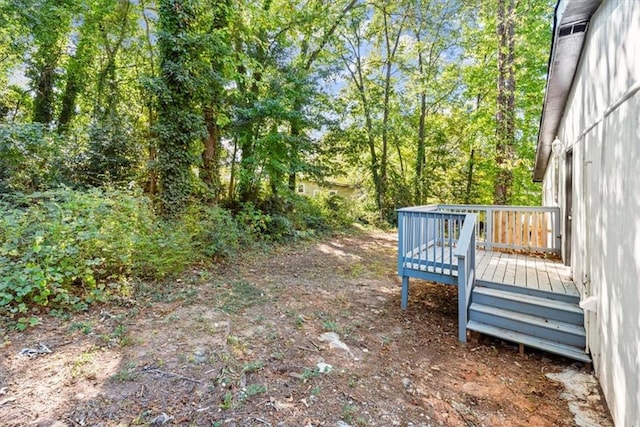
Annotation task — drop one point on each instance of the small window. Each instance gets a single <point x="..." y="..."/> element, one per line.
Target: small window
<point x="301" y="188"/>
<point x="316" y="193"/>
<point x="333" y="193"/>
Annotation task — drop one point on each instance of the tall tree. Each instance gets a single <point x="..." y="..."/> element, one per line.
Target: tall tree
<point x="505" y="111"/>
<point x="179" y="124"/>
<point x="311" y="49"/>
<point x="436" y="31"/>
<point x="49" y="23"/>
<point x="78" y="66"/>
<point x="214" y="95"/>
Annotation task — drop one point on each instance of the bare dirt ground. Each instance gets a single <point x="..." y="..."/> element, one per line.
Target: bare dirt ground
<point x="243" y="345"/>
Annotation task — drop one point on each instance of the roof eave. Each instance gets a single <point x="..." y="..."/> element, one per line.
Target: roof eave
<point x="565" y="55"/>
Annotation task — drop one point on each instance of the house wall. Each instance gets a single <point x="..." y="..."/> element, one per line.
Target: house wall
<point x="313" y="189"/>
<point x="601" y="125"/>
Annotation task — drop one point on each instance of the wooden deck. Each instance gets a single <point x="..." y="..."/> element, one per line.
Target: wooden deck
<point x="515" y="269"/>
<point x="524" y="270"/>
<point x="505" y="287"/>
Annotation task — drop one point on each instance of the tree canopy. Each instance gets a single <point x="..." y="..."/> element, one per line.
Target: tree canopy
<point x="232" y="101"/>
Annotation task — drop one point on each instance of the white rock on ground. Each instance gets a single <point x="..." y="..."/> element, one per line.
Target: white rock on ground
<point x="581" y="390"/>
<point x="334" y="342"/>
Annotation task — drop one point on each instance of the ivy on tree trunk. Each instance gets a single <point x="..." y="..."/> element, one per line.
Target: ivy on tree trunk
<point x="179" y="124"/>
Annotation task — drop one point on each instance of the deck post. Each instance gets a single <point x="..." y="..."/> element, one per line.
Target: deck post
<point x="462" y="299"/>
<point x="488" y="232"/>
<point x="401" y="243"/>
<point x="556" y="231"/>
<point x="404" y="299"/>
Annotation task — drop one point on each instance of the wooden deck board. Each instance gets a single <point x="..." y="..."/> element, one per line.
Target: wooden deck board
<point x="514" y="269"/>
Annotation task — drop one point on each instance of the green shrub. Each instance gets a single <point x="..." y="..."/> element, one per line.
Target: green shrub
<point x="338" y="211"/>
<point x="253" y="221"/>
<point x="162" y="249"/>
<point x="30" y="157"/>
<point x="279" y="228"/>
<point x="66" y="248"/>
<point x="213" y="230"/>
<point x="307" y="214"/>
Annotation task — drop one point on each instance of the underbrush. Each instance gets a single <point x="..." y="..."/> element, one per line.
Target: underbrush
<point x="65" y="249"/>
<point x="68" y="249"/>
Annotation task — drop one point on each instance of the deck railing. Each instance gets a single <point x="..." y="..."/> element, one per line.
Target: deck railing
<point x="531" y="228"/>
<point x="427" y="238"/>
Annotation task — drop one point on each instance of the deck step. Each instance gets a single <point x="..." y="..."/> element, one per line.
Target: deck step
<point x="543" y="307"/>
<point x="570" y="352"/>
<point x="530" y="291"/>
<point x="535" y="326"/>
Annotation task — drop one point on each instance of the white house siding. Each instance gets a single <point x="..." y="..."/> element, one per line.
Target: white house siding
<point x="601" y="125"/>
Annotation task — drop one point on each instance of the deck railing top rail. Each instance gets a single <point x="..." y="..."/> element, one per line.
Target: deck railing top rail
<point x="507" y="208"/>
<point x="423" y="208"/>
<point x="464" y="208"/>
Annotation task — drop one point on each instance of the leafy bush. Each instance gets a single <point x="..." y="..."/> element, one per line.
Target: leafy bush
<point x="30" y="158"/>
<point x="337" y="210"/>
<point x="68" y="249"/>
<point x="307" y="214"/>
<point x="279" y="228"/>
<point x="213" y="230"/>
<point x="114" y="153"/>
<point x="253" y="220"/>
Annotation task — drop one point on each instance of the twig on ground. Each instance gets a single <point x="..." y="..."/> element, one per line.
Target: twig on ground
<point x="172" y="374"/>
<point x="7" y="400"/>
<point x="315" y="345"/>
<point x="262" y="421"/>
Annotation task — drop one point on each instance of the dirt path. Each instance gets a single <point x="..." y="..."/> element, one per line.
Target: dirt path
<point x="247" y="345"/>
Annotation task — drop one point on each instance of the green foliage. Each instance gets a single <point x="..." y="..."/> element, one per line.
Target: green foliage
<point x="67" y="249"/>
<point x="401" y="97"/>
<point x="64" y="248"/>
<point x="253" y="220"/>
<point x="337" y="210"/>
<point x="60" y="247"/>
<point x="179" y="125"/>
<point x="126" y="374"/>
<point x="215" y="233"/>
<point x="307" y="214"/>
<point x="31" y="158"/>
<point x="114" y="153"/>
<point x="279" y="228"/>
<point x="252" y="390"/>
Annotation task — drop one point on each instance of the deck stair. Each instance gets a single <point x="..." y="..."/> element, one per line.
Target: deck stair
<point x="537" y="319"/>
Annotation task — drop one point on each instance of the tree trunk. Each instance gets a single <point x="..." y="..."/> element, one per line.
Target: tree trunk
<point x="44" y="99"/>
<point x="391" y="48"/>
<point x="505" y="117"/>
<point x="421" y="148"/>
<point x="210" y="174"/>
<point x="294" y="159"/>
<point x="469" y="184"/>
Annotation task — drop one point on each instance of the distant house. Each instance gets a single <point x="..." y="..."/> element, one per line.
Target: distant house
<point x="588" y="159"/>
<point x="310" y="188"/>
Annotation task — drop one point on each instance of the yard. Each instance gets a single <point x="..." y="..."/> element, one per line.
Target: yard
<point x="306" y="334"/>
